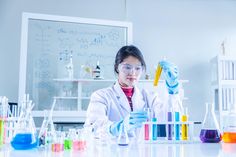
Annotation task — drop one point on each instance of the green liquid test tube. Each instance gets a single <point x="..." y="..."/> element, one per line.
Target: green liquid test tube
<point x="68" y="144"/>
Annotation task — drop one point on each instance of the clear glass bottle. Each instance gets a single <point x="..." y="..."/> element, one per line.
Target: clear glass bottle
<point x="97" y="71"/>
<point x="123" y="139"/>
<point x="210" y="132"/>
<point x="229" y="126"/>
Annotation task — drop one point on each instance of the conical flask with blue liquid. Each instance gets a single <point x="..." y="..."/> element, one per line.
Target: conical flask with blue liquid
<point x="25" y="131"/>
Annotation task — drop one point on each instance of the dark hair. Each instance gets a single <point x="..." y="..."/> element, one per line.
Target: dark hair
<point x="125" y="52"/>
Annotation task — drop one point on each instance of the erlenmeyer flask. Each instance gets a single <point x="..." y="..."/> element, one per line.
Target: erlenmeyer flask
<point x="210" y="132"/>
<point x="229" y="126"/>
<point x="123" y="139"/>
<point x="25" y="132"/>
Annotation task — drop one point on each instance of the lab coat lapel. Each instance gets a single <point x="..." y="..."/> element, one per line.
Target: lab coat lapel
<point x="123" y="101"/>
<point x="137" y="100"/>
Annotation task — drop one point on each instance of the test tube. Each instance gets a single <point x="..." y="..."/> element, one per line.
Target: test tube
<point x="154" y="129"/>
<point x="177" y="126"/>
<point x="147" y="125"/>
<point x="170" y="127"/>
<point x="157" y="75"/>
<point x="184" y="128"/>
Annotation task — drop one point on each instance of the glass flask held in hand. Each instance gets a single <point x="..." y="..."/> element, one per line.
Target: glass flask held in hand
<point x="210" y="132"/>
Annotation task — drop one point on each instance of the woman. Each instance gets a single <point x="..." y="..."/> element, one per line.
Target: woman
<point x="124" y="102"/>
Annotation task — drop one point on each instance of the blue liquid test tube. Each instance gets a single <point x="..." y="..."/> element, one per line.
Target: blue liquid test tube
<point x="170" y="129"/>
<point x="154" y="129"/>
<point x="177" y="126"/>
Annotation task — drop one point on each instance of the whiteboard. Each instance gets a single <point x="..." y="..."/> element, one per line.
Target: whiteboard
<point x="47" y="41"/>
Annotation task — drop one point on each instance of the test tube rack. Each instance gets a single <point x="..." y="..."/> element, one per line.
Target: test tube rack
<point x="168" y="132"/>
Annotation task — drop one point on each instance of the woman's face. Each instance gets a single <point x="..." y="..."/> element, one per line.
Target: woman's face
<point x="130" y="71"/>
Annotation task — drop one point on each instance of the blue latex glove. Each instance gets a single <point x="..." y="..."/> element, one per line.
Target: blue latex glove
<point x="132" y="121"/>
<point x="171" y="75"/>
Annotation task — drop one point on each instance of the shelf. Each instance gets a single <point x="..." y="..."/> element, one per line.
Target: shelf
<point x="65" y="97"/>
<point x="63" y="116"/>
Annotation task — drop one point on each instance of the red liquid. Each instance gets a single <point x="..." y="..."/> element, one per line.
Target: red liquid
<point x="146" y="131"/>
<point x="210" y="136"/>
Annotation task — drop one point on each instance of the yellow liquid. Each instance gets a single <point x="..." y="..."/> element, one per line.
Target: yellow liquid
<point x="157" y="75"/>
<point x="184" y="128"/>
<point x="229" y="137"/>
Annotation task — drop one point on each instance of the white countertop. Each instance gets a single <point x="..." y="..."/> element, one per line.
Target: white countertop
<point x="134" y="150"/>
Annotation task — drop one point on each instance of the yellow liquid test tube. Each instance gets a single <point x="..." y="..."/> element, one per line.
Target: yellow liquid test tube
<point x="184" y="128"/>
<point x="157" y="75"/>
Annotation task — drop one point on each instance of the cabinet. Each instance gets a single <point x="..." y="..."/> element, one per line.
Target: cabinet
<point x="223" y="83"/>
<point x="73" y="96"/>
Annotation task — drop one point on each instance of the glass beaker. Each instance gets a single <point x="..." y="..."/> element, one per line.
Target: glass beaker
<point x="229" y="127"/>
<point x="210" y="132"/>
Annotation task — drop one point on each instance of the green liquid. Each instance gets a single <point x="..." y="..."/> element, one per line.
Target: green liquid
<point x="1" y="132"/>
<point x="67" y="144"/>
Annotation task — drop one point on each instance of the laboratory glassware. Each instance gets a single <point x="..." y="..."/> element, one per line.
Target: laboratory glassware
<point x="229" y="126"/>
<point x="157" y="74"/>
<point x="25" y="131"/>
<point x="47" y="127"/>
<point x="3" y="116"/>
<point x="177" y="126"/>
<point x="147" y="126"/>
<point x="210" y="132"/>
<point x="70" y="68"/>
<point x="97" y="71"/>
<point x="123" y="138"/>
<point x="184" y="127"/>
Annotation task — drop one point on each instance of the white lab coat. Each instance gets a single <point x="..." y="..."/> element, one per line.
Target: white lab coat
<point x="111" y="105"/>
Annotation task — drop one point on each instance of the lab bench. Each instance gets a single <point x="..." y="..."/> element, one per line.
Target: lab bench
<point x="135" y="149"/>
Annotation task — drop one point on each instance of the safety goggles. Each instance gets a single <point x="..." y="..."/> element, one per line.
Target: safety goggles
<point x="129" y="69"/>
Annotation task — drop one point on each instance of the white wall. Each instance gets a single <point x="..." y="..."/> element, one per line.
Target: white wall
<point x="187" y="32"/>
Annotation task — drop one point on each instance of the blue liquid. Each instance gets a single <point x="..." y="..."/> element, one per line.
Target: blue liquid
<point x="161" y="130"/>
<point x="177" y="126"/>
<point x="123" y="144"/>
<point x="154" y="129"/>
<point x="23" y="142"/>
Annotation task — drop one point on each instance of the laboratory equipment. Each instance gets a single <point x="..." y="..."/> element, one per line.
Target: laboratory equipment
<point x="170" y="125"/>
<point x="70" y="68"/>
<point x="154" y="129"/>
<point x="3" y="116"/>
<point x="68" y="141"/>
<point x="25" y="131"/>
<point x="177" y="126"/>
<point x="210" y="132"/>
<point x="82" y="139"/>
<point x="47" y="127"/>
<point x="123" y="139"/>
<point x="157" y="74"/>
<point x="57" y="142"/>
<point x="229" y="126"/>
<point x="97" y="71"/>
<point x="184" y="126"/>
<point x="147" y="126"/>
